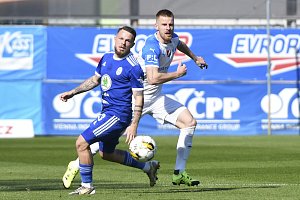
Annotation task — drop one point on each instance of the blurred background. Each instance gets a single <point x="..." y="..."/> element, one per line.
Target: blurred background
<point x="283" y="13"/>
<point x="250" y="88"/>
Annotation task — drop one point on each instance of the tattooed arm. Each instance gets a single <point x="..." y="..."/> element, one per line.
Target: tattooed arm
<point x="131" y="131"/>
<point x="87" y="85"/>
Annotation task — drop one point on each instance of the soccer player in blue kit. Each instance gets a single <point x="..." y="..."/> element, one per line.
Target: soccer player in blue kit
<point x="120" y="78"/>
<point x="155" y="59"/>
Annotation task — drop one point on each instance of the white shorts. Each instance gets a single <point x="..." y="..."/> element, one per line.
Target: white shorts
<point x="164" y="109"/>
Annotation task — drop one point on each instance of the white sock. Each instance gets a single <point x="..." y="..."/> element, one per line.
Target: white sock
<point x="87" y="185"/>
<point x="94" y="148"/>
<point x="184" y="146"/>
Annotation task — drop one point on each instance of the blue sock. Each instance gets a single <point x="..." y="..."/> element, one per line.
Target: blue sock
<point x="86" y="173"/>
<point x="130" y="161"/>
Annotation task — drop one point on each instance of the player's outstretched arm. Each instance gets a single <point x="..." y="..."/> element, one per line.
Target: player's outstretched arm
<point x="131" y="131"/>
<point x="87" y="85"/>
<point x="187" y="51"/>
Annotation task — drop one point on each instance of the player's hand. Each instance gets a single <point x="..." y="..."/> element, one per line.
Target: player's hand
<point x="130" y="134"/>
<point x="181" y="69"/>
<point x="201" y="63"/>
<point x="66" y="95"/>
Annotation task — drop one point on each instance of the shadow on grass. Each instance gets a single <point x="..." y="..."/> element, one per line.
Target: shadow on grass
<point x="55" y="184"/>
<point x="202" y="189"/>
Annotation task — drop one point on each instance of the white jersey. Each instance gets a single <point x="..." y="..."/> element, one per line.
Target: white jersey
<point x="155" y="53"/>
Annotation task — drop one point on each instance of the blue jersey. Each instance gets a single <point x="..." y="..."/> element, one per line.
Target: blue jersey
<point x="119" y="77"/>
<point x="157" y="54"/>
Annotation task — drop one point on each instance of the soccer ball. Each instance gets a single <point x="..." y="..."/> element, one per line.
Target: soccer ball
<point x="142" y="148"/>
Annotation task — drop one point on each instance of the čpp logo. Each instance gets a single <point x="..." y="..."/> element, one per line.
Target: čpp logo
<point x="283" y="104"/>
<point x="16" y="51"/>
<point x="206" y="107"/>
<point x="84" y="105"/>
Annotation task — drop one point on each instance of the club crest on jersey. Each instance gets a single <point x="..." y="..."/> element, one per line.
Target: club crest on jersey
<point x="105" y="82"/>
<point x="119" y="71"/>
<point x="251" y="50"/>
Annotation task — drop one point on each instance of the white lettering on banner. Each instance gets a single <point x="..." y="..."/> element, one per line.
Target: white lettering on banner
<point x="72" y="111"/>
<point x="284" y="110"/>
<point x="16" y="51"/>
<point x="281" y="104"/>
<point x="251" y="50"/>
<point x="70" y="126"/>
<point x="16" y="128"/>
<point x="194" y="99"/>
<point x="258" y="44"/>
<point x="105" y="42"/>
<point x="227" y="105"/>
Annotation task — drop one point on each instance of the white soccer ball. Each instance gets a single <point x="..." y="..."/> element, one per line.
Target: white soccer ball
<point x="142" y="148"/>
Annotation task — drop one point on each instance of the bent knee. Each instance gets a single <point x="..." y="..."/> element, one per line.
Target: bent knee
<point x="189" y="122"/>
<point x="193" y="122"/>
<point x="81" y="144"/>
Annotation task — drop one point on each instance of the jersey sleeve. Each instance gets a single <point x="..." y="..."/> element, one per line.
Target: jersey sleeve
<point x="150" y="53"/>
<point x="176" y="40"/>
<point x="98" y="69"/>
<point x="137" y="78"/>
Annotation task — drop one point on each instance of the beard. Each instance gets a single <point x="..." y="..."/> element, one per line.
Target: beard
<point x="121" y="54"/>
<point x="166" y="37"/>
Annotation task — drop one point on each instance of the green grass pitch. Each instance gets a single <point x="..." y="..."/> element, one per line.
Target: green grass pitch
<point x="229" y="167"/>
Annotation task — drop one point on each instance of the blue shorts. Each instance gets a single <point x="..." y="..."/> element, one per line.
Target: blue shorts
<point x="106" y="129"/>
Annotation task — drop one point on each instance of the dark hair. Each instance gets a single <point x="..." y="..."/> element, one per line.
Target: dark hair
<point x="128" y="29"/>
<point x="165" y="13"/>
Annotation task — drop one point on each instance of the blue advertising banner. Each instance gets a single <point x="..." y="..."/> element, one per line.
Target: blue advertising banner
<point x="220" y="109"/>
<point x="232" y="54"/>
<point x="22" y="52"/>
<point x="233" y="109"/>
<point x="242" y="54"/>
<point x="230" y="98"/>
<point x="21" y="100"/>
<point x="73" y="116"/>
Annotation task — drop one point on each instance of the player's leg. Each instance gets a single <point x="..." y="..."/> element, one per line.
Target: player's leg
<point x="73" y="167"/>
<point x="97" y="131"/>
<point x="109" y="153"/>
<point x="86" y="164"/>
<point x="187" y="125"/>
<point x="165" y="109"/>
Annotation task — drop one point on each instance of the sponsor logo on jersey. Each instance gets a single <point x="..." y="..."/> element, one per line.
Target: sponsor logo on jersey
<point x="16" y="51"/>
<point x="251" y="50"/>
<point x="106" y="82"/>
<point x="105" y="43"/>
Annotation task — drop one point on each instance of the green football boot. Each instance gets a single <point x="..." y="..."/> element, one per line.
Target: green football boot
<point x="184" y="178"/>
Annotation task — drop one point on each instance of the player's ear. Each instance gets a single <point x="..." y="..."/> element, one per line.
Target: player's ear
<point x="156" y="26"/>
<point x="132" y="44"/>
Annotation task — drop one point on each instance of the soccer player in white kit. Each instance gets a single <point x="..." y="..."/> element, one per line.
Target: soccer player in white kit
<point x="155" y="59"/>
